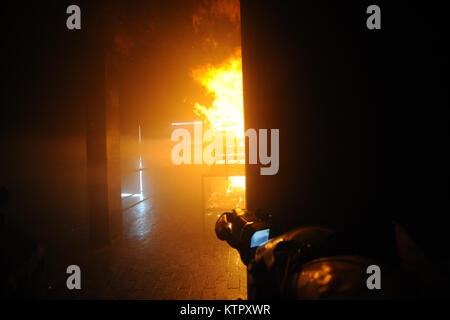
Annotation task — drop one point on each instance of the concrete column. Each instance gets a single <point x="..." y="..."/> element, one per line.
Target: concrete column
<point x="113" y="147"/>
<point x="103" y="159"/>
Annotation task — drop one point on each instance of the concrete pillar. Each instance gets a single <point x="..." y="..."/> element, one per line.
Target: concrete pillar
<point x="113" y="147"/>
<point x="103" y="157"/>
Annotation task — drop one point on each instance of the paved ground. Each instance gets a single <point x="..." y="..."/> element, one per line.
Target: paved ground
<point x="169" y="250"/>
<point x="164" y="257"/>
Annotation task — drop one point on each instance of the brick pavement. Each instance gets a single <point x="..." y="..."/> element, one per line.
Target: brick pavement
<point x="165" y="255"/>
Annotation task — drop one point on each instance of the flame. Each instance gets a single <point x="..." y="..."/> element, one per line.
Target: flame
<point x="226" y="115"/>
<point x="230" y="193"/>
<point x="235" y="183"/>
<point x="224" y="83"/>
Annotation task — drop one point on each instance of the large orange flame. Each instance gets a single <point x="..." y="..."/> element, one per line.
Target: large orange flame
<point x="226" y="115"/>
<point x="224" y="83"/>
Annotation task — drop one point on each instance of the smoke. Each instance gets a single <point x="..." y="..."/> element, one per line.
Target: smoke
<point x="123" y="43"/>
<point x="211" y="11"/>
<point x="217" y="23"/>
